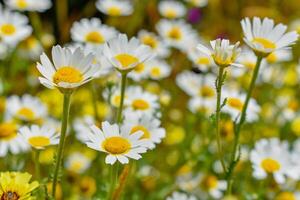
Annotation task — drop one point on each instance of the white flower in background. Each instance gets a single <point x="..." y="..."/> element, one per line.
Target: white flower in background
<point x="31" y="48"/>
<point x="139" y="72"/>
<point x="10" y="141"/>
<point x="114" y="7"/>
<point x="188" y="181"/>
<point x="69" y="69"/>
<point x="212" y="185"/>
<point x="198" y="3"/>
<point x="223" y="53"/>
<point x="26" y="108"/>
<point x="77" y="162"/>
<point x="247" y="58"/>
<point x="295" y="25"/>
<point x="171" y="9"/>
<point x="235" y="103"/>
<point x="126" y="54"/>
<point x="200" y="60"/>
<point x="158" y="47"/>
<point x="13" y="27"/>
<point x="39" y="137"/>
<point x="82" y="127"/>
<point x="118" y="145"/>
<point x="150" y="126"/>
<point x="158" y="69"/>
<point x="270" y="157"/>
<point x="202" y="105"/>
<point x="92" y="31"/>
<point x="113" y="96"/>
<point x="264" y="37"/>
<point x="29" y="5"/>
<point x="176" y="33"/>
<point x="282" y="55"/>
<point x="181" y="196"/>
<point x="140" y="101"/>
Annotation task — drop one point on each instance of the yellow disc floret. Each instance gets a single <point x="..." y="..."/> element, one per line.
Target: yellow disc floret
<point x="8" y="29"/>
<point x="270" y="165"/>
<point x="39" y="141"/>
<point x="68" y="75"/>
<point x="146" y="134"/>
<point x="94" y="37"/>
<point x="116" y="145"/>
<point x="140" y="104"/>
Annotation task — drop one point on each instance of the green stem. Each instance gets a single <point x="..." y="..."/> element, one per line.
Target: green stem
<point x="218" y="111"/>
<point x="36" y="24"/>
<point x="64" y="124"/>
<point x="238" y="127"/>
<point x="113" y="180"/>
<point x="37" y="164"/>
<point x="123" y="86"/>
<point x="94" y="100"/>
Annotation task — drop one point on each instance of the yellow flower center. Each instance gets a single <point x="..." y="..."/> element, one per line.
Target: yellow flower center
<point x="146" y="134"/>
<point x="235" y="103"/>
<point x="26" y="113"/>
<point x="272" y="58"/>
<point x="249" y="65"/>
<point x="175" y="33"/>
<point x="207" y="91"/>
<point x="8" y="29"/>
<point x="7" y="130"/>
<point x="139" y="68"/>
<point x="203" y="61"/>
<point x="116" y="100"/>
<point x="21" y="4"/>
<point x="76" y="166"/>
<point x="116" y="145"/>
<point x="270" y="165"/>
<point x="286" y="196"/>
<point x="114" y="11"/>
<point x="140" y="104"/>
<point x="295" y="126"/>
<point x="68" y="75"/>
<point x="170" y="13"/>
<point x="150" y="41"/>
<point x="126" y="60"/>
<point x="10" y="196"/>
<point x="39" y="141"/>
<point x="265" y="43"/>
<point x="155" y="71"/>
<point x="210" y="182"/>
<point x="94" y="37"/>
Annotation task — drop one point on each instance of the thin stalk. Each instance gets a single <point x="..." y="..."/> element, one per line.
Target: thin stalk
<point x="218" y="111"/>
<point x="37" y="164"/>
<point x="237" y="129"/>
<point x="64" y="124"/>
<point x="123" y="86"/>
<point x="113" y="180"/>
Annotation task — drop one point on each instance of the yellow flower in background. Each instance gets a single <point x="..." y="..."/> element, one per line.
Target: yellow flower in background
<point x="175" y="135"/>
<point x="16" y="186"/>
<point x="87" y="186"/>
<point x="286" y="196"/>
<point x="46" y="156"/>
<point x="295" y="126"/>
<point x="102" y="108"/>
<point x="53" y="99"/>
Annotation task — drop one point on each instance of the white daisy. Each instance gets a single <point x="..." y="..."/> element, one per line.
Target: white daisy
<point x="223" y="53"/>
<point x="118" y="146"/>
<point x="82" y="127"/>
<point x="29" y="5"/>
<point x="158" y="47"/>
<point x="77" y="162"/>
<point x="270" y="157"/>
<point x="113" y="96"/>
<point x="264" y="38"/>
<point x="69" y="70"/>
<point x="199" y="59"/>
<point x="26" y="108"/>
<point x="31" y="48"/>
<point x="139" y="72"/>
<point x="39" y="137"/>
<point x="10" y="141"/>
<point x="13" y="27"/>
<point x="198" y="3"/>
<point x="181" y="196"/>
<point x="212" y="185"/>
<point x="202" y="105"/>
<point x="92" y="31"/>
<point x="158" y="69"/>
<point x="114" y="7"/>
<point x="126" y="54"/>
<point x="171" y="9"/>
<point x="147" y="124"/>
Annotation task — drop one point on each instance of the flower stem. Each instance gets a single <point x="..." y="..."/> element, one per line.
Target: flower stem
<point x="219" y="84"/>
<point x="113" y="180"/>
<point x="64" y="124"/>
<point x="237" y="129"/>
<point x="94" y="100"/>
<point x="123" y="86"/>
<point x="37" y="164"/>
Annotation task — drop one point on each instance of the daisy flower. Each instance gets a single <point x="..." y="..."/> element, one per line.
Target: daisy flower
<point x="77" y="162"/>
<point x="126" y="54"/>
<point x="176" y="33"/>
<point x="247" y="58"/>
<point x="26" y="108"/>
<point x="114" y="7"/>
<point x="82" y="126"/>
<point x="181" y="196"/>
<point x="13" y="27"/>
<point x="198" y="3"/>
<point x="31" y="48"/>
<point x="113" y="97"/>
<point x="171" y="9"/>
<point x="140" y="101"/>
<point x="92" y="31"/>
<point x="211" y="184"/>
<point x="202" y="105"/>
<point x="118" y="145"/>
<point x="29" y="5"/>
<point x="235" y="103"/>
<point x="264" y="37"/>
<point x="270" y="157"/>
<point x="10" y="141"/>
<point x="16" y="185"/>
<point x="200" y="60"/>
<point x="158" y="47"/>
<point x="158" y="69"/>
<point x="69" y="69"/>
<point x="223" y="53"/>
<point x="39" y="137"/>
<point x="147" y="124"/>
